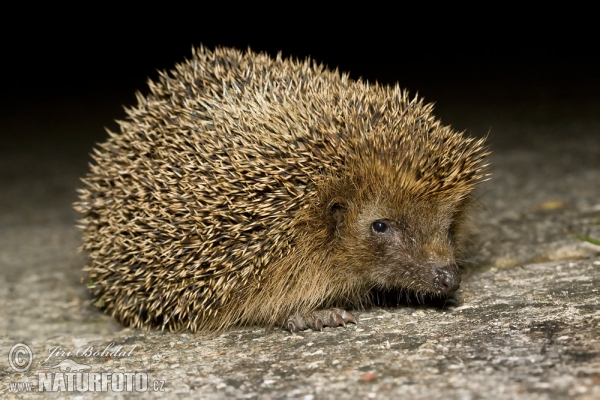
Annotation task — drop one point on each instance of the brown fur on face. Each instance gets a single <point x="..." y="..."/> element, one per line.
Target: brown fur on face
<point x="244" y="189"/>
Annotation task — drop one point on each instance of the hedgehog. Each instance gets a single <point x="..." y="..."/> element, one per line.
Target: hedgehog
<point x="251" y="190"/>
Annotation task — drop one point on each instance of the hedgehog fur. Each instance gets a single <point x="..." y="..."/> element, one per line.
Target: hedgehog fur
<point x="251" y="190"/>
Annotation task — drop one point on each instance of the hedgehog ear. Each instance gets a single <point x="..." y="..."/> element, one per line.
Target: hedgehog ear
<point x="336" y="210"/>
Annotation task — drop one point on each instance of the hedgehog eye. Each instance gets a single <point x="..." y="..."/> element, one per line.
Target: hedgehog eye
<point x="380" y="226"/>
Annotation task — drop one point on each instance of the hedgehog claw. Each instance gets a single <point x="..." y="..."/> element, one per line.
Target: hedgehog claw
<point x="316" y="320"/>
<point x="291" y="326"/>
<point x="319" y="325"/>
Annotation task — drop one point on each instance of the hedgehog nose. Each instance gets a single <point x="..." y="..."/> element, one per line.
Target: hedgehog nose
<point x="446" y="279"/>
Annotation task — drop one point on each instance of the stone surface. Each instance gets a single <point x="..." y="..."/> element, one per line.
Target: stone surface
<point x="525" y="323"/>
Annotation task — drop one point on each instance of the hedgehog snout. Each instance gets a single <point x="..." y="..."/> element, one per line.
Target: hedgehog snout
<point x="446" y="279"/>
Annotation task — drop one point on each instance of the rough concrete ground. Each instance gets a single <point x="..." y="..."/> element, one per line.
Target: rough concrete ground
<point x="525" y="323"/>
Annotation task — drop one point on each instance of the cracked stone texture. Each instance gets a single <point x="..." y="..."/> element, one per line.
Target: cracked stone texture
<point x="525" y="323"/>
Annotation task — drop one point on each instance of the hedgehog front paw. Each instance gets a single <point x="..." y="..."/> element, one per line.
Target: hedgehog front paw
<point x="316" y="320"/>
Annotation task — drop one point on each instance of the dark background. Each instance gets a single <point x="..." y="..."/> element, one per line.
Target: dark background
<point x="67" y="77"/>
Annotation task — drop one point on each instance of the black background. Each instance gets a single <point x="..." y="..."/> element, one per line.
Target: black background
<point x="63" y="67"/>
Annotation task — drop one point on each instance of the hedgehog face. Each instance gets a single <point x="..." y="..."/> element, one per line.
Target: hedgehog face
<point x="414" y="250"/>
<point x="406" y="244"/>
<point x="410" y="246"/>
